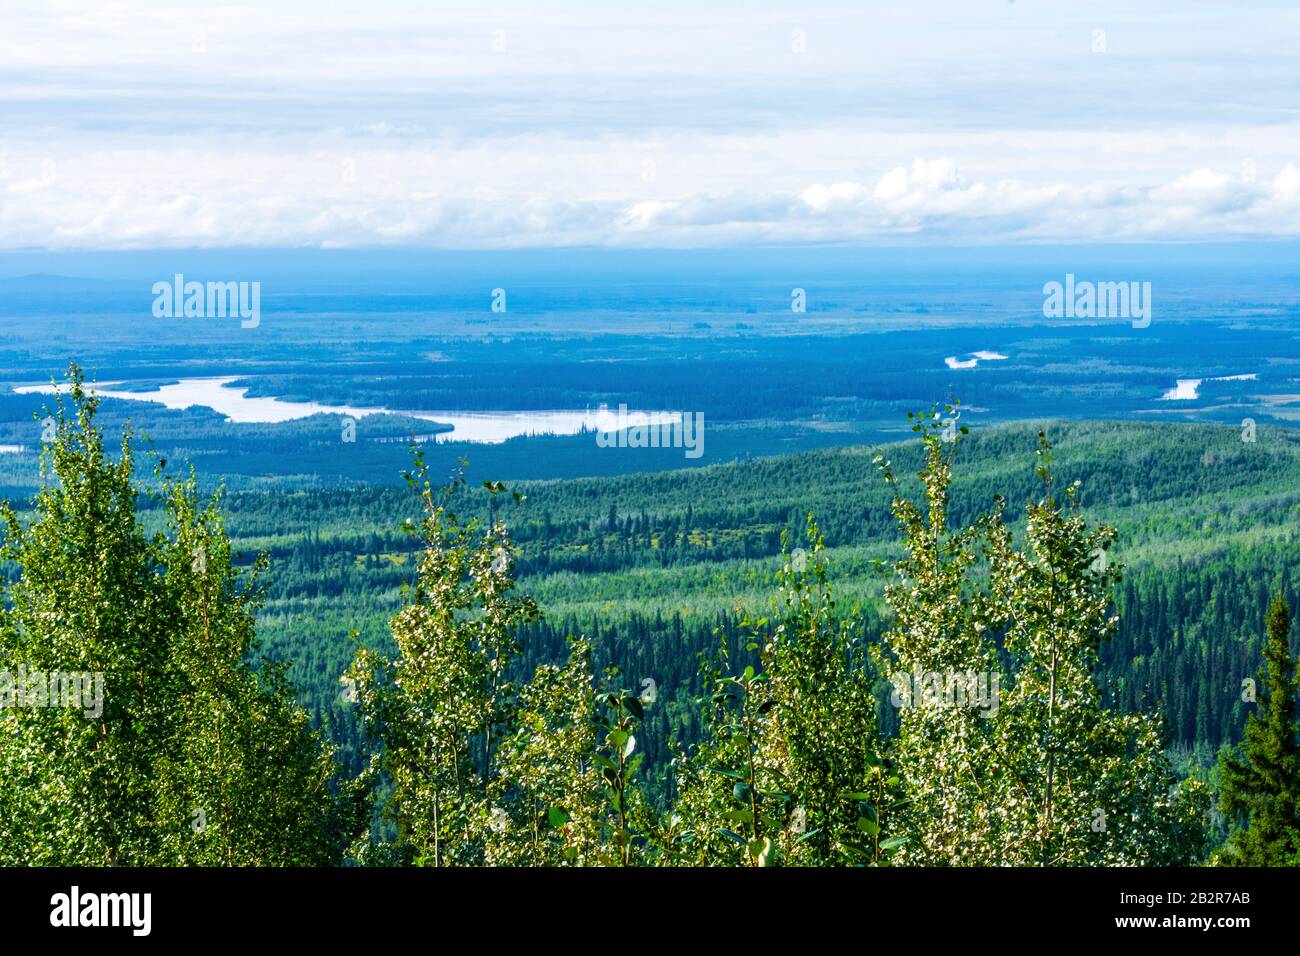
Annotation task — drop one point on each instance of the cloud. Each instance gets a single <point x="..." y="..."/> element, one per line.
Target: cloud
<point x="933" y="197"/>
<point x="403" y="195"/>
<point x="156" y="124"/>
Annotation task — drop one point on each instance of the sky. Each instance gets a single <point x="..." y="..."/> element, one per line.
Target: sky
<point x="429" y="125"/>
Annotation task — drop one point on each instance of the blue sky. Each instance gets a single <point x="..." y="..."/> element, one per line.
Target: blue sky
<point x="145" y="125"/>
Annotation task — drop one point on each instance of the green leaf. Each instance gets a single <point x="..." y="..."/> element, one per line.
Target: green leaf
<point x="869" y="827"/>
<point x="556" y="817"/>
<point x="734" y="835"/>
<point x="855" y="849"/>
<point x="723" y="772"/>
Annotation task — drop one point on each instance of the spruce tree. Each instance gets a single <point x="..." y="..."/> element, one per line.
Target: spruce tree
<point x="1260" y="780"/>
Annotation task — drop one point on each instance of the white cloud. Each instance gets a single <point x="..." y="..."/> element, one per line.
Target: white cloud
<point x="406" y="195"/>
<point x="393" y="123"/>
<point x="821" y="197"/>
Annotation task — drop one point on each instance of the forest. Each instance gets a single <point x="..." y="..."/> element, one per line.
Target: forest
<point x="783" y="661"/>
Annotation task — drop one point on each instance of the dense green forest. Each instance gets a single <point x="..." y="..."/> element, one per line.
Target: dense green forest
<point x="688" y="668"/>
<point x="647" y="567"/>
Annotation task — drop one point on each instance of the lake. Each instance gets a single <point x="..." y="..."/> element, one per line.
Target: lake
<point x="487" y="427"/>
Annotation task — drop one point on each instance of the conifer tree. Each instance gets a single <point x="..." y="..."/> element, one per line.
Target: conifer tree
<point x="1260" y="780"/>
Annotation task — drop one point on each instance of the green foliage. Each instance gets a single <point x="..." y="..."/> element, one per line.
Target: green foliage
<point x="1041" y="773"/>
<point x="626" y="816"/>
<point x="547" y="778"/>
<point x="1260" y="780"/>
<point x="442" y="705"/>
<point x="791" y="769"/>
<point x="194" y="756"/>
<point x="490" y="751"/>
<point x="246" y="761"/>
<point x="730" y="806"/>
